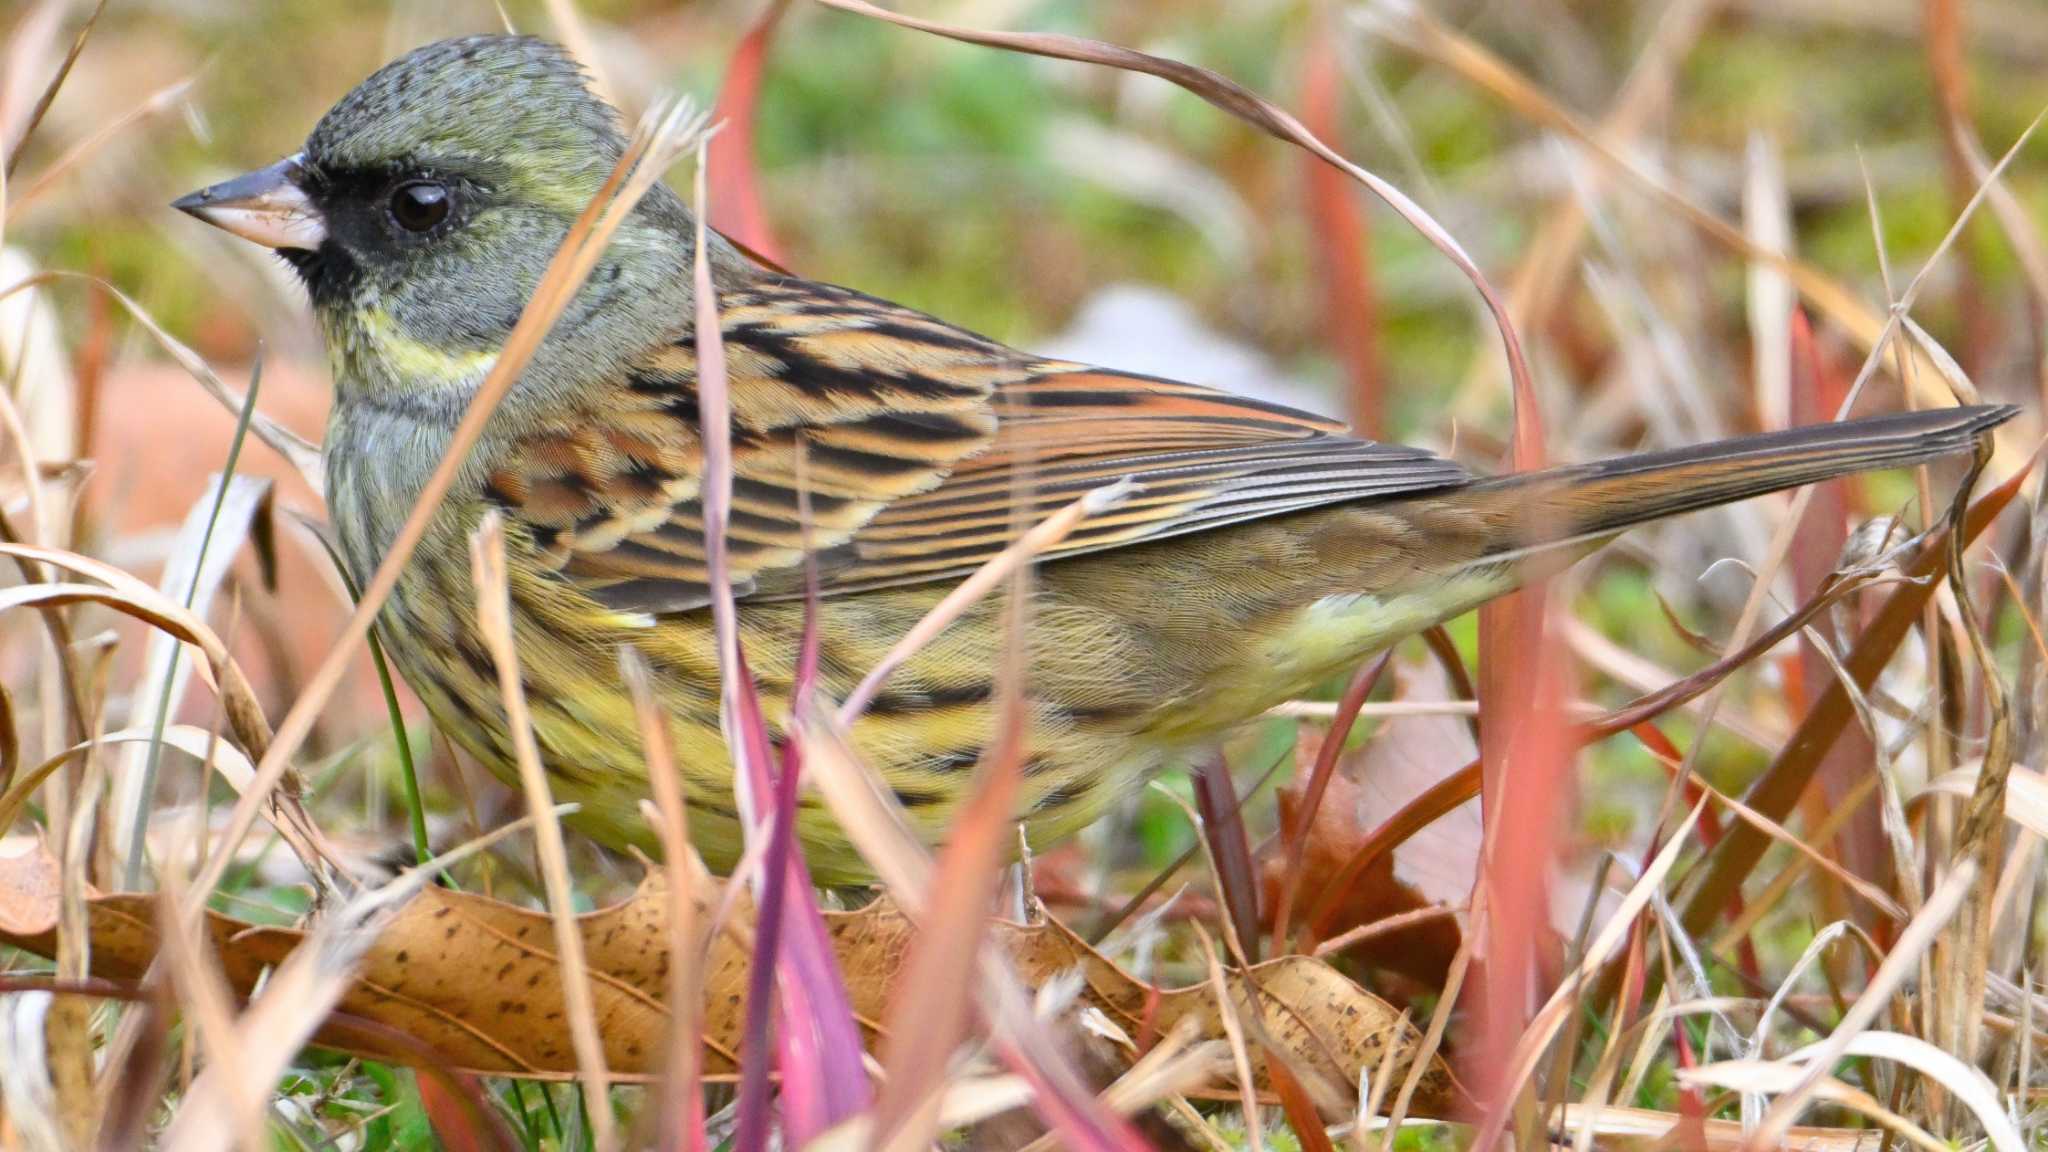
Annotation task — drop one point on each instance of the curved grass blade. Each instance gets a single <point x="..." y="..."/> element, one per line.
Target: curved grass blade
<point x="145" y="797"/>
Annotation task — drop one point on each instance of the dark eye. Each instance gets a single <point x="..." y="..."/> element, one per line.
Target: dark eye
<point x="419" y="205"/>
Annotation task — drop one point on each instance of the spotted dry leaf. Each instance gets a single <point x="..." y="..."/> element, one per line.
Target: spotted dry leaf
<point x="475" y="983"/>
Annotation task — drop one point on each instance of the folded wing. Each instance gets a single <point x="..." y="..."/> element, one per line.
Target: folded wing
<point x="920" y="450"/>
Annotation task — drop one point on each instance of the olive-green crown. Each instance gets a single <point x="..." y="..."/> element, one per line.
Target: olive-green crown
<point x="510" y="100"/>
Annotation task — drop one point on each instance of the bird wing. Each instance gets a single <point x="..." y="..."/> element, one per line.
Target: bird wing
<point x="921" y="450"/>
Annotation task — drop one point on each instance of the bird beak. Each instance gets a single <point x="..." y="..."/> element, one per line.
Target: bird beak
<point x="266" y="206"/>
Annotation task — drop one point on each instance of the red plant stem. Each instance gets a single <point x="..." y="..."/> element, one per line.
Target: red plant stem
<point x="819" y="1046"/>
<point x="1294" y="1101"/>
<point x="754" y="1113"/>
<point x="1435" y="802"/>
<point x="1690" y="1104"/>
<point x="1223" y="825"/>
<point x="1361" y="686"/>
<point x="1528" y="771"/>
<point x="1520" y="690"/>
<point x="1817" y="394"/>
<point x="735" y="201"/>
<point x="1446" y="652"/>
<point x="1342" y="242"/>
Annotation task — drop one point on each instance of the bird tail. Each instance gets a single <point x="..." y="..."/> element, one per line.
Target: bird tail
<point x="1590" y="502"/>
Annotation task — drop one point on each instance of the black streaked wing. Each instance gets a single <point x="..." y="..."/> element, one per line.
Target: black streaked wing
<point x="914" y="435"/>
<point x="1202" y="459"/>
<point x="885" y="400"/>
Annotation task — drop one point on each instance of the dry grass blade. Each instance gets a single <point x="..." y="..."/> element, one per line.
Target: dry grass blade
<point x="1330" y="710"/>
<point x="68" y="1031"/>
<point x="124" y="593"/>
<point x="645" y="159"/>
<point x="1759" y="1076"/>
<point x="1959" y="1078"/>
<point x="966" y="1101"/>
<point x="1964" y="956"/>
<point x="156" y="103"/>
<point x="925" y="1029"/>
<point x="1248" y="1098"/>
<point x="1058" y="1093"/>
<point x="1685" y="690"/>
<point x="1767" y="221"/>
<point x="2026" y="797"/>
<point x="871" y="817"/>
<point x="28" y="41"/>
<point x="36" y="114"/>
<point x="198" y="743"/>
<point x="681" y="1123"/>
<point x="1352" y="937"/>
<point x="1439" y="1020"/>
<point x="1899" y="965"/>
<point x="1171" y="1067"/>
<point x="1630" y="1128"/>
<point x="28" y="44"/>
<point x="1553" y="253"/>
<point x="494" y="625"/>
<point x="205" y="549"/>
<point x="575" y="33"/>
<point x="1949" y="67"/>
<point x="1870" y="893"/>
<point x="296" y="1000"/>
<point x="207" y="1003"/>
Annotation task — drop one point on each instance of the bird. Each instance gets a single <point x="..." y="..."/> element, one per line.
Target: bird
<point x="1263" y="551"/>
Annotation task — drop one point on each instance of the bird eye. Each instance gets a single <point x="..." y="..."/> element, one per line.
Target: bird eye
<point x="419" y="205"/>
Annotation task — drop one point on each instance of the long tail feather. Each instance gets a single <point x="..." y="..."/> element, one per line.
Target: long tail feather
<point x="1589" y="501"/>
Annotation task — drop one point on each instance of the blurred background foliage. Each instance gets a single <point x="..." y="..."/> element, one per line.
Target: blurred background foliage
<point x="979" y="185"/>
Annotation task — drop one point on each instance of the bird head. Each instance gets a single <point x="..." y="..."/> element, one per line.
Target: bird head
<point x="427" y="203"/>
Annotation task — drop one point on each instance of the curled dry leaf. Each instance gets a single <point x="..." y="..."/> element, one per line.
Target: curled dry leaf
<point x="477" y="981"/>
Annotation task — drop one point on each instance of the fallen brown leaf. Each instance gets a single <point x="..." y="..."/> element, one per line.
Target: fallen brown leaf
<point x="477" y="981"/>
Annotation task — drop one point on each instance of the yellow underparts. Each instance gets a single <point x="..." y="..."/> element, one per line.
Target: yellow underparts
<point x="1105" y="716"/>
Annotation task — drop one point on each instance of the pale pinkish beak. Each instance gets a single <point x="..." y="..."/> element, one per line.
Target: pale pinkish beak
<point x="266" y="206"/>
